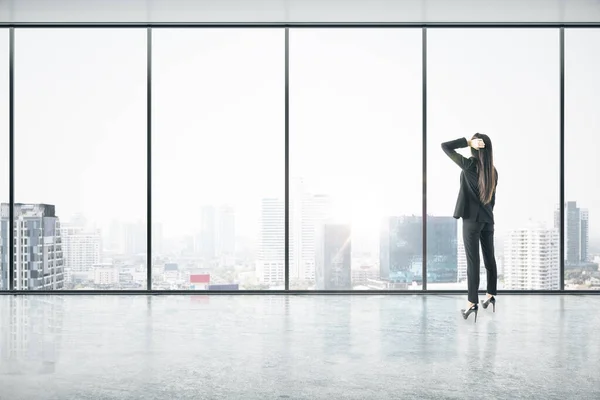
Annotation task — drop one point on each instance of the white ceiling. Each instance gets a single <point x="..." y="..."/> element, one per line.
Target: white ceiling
<point x="300" y="11"/>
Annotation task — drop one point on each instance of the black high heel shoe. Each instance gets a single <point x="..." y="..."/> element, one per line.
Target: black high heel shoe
<point x="465" y="313"/>
<point x="487" y="302"/>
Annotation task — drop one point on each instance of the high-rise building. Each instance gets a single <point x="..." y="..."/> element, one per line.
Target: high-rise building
<point x="217" y="232"/>
<point x="130" y="238"/>
<point x="531" y="258"/>
<point x="401" y="249"/>
<point x="115" y="238"/>
<point x="206" y="244"/>
<point x="316" y="210"/>
<point x="585" y="235"/>
<point x="333" y="257"/>
<point x="37" y="249"/>
<point x="225" y="243"/>
<point x="307" y="213"/>
<point x="442" y="249"/>
<point x="135" y="237"/>
<point x="82" y="247"/>
<point x="576" y="233"/>
<point x="270" y="266"/>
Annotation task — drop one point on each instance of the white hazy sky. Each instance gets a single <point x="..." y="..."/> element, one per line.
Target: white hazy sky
<point x="355" y="120"/>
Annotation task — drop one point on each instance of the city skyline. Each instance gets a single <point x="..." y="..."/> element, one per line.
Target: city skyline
<point x="84" y="259"/>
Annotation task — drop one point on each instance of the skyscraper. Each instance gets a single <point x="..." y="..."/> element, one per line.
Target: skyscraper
<point x="401" y="249"/>
<point x="82" y="248"/>
<point x="270" y="267"/>
<point x="584" y="235"/>
<point x="307" y="213"/>
<point x="207" y="238"/>
<point x="217" y="232"/>
<point x="37" y="249"/>
<point x="135" y="238"/>
<point x="442" y="249"/>
<point x="316" y="210"/>
<point x="531" y="259"/>
<point x="225" y="229"/>
<point x="333" y="262"/>
<point x="576" y="232"/>
<point x="115" y="239"/>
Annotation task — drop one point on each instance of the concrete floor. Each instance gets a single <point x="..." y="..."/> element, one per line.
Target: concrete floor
<point x="297" y="347"/>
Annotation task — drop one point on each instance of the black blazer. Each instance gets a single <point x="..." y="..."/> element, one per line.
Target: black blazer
<point x="468" y="205"/>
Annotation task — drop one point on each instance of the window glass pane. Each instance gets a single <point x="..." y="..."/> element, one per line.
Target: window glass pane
<point x="4" y="166"/>
<point x="218" y="158"/>
<point x="355" y="159"/>
<point x="503" y="83"/>
<point x="80" y="158"/>
<point x="582" y="167"/>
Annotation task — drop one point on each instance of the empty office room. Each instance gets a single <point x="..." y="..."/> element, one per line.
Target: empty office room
<point x="298" y="199"/>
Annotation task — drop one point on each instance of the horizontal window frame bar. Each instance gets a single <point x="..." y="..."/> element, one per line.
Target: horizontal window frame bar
<point x="285" y="292"/>
<point x="278" y="25"/>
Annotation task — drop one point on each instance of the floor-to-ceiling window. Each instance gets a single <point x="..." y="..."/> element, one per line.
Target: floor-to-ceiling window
<point x="355" y="159"/>
<point x="504" y="83"/>
<point x="582" y="166"/>
<point x="218" y="159"/>
<point x="80" y="159"/>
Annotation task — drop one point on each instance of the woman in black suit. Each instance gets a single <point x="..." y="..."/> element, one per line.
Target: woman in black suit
<point x="475" y="205"/>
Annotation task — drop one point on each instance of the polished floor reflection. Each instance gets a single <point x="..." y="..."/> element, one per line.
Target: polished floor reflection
<point x="297" y="347"/>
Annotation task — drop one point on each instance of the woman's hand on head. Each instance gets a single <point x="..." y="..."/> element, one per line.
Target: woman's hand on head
<point x="477" y="143"/>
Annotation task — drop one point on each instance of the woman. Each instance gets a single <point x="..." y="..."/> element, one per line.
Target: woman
<point x="475" y="205"/>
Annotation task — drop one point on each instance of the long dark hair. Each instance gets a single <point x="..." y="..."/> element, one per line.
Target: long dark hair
<point x="485" y="168"/>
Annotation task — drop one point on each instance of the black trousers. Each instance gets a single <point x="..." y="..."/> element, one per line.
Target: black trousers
<point x="473" y="234"/>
